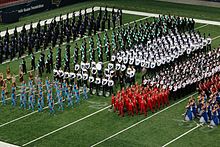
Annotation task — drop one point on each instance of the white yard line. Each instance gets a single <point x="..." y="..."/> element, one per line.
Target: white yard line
<point x="201" y="26"/>
<point x="61" y="128"/>
<point x="140" y="121"/>
<point x="168" y="143"/>
<point x="4" y="144"/>
<point x="216" y="37"/>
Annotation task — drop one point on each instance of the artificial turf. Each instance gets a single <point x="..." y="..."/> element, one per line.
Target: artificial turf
<point x="155" y="131"/>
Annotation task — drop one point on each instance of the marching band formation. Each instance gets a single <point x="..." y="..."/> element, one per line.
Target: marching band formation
<point x="57" y="32"/>
<point x="206" y="107"/>
<point x="138" y="99"/>
<point x="39" y="94"/>
<point x="182" y="77"/>
<point x="172" y="57"/>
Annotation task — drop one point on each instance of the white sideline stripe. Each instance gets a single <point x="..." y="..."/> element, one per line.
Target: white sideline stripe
<point x="198" y="125"/>
<point x="89" y="10"/>
<point x="210" y="22"/>
<point x="140" y="121"/>
<point x="61" y="128"/>
<point x="4" y="144"/>
<point x="27" y="26"/>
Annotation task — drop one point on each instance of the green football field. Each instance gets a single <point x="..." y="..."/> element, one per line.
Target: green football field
<point x="92" y="122"/>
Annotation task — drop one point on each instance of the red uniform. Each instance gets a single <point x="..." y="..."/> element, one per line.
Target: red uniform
<point x="143" y="107"/>
<point x="121" y="108"/>
<point x="130" y="109"/>
<point x="116" y="105"/>
<point x="113" y="100"/>
<point x="149" y="104"/>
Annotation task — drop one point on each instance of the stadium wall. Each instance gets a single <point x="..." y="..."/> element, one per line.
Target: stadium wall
<point x="12" y="13"/>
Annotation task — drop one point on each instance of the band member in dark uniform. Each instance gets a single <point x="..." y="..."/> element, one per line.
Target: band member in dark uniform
<point x="33" y="67"/>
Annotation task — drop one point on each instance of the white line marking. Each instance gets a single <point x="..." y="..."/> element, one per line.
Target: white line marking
<point x="215" y="37"/>
<point x="157" y="15"/>
<point x="64" y="17"/>
<point x="140" y="122"/>
<point x="98" y="112"/>
<point x="61" y="128"/>
<point x="201" y="26"/>
<point x="197" y="126"/>
<point x="5" y="144"/>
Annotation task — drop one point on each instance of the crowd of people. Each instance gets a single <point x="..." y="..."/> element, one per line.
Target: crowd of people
<point x="139" y="99"/>
<point x="58" y="31"/>
<point x="37" y="94"/>
<point x="132" y="48"/>
<point x="206" y="107"/>
<point x="183" y="76"/>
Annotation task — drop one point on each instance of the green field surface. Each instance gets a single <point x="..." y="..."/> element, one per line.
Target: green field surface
<point x="92" y="121"/>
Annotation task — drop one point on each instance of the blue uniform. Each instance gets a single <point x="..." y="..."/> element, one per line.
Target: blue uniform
<point x="85" y="92"/>
<point x="70" y="100"/>
<point x="42" y="98"/>
<point x="189" y="114"/>
<point x="30" y="102"/>
<point x="77" y="95"/>
<point x="60" y="102"/>
<point x="3" y="97"/>
<point x="13" y="96"/>
<point x="215" y="120"/>
<point x="47" y="84"/>
<point x="51" y="105"/>
<point x="23" y="96"/>
<point x="39" y="104"/>
<point x="30" y="83"/>
<point x="64" y="89"/>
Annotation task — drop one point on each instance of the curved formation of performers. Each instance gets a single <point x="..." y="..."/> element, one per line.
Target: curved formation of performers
<point x="206" y="107"/>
